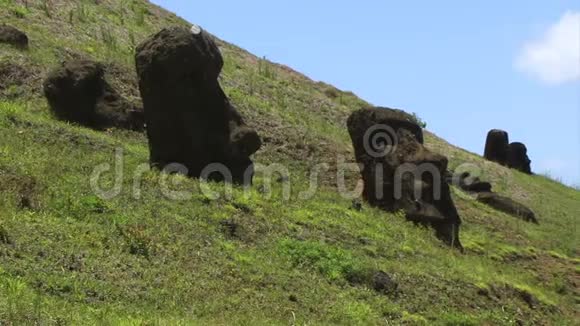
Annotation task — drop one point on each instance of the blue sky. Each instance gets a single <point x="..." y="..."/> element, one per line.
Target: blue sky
<point x="465" y="67"/>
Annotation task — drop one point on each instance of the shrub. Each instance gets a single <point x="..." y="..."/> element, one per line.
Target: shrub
<point x="19" y="11"/>
<point x="419" y="121"/>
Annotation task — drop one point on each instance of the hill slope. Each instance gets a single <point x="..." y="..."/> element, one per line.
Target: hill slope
<point x="67" y="256"/>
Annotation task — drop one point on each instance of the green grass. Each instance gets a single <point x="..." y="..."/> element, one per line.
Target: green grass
<point x="71" y="257"/>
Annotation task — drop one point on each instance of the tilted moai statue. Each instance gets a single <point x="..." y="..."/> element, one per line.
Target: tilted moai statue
<point x="399" y="173"/>
<point x="518" y="158"/>
<point x="189" y="119"/>
<point x="496" y="146"/>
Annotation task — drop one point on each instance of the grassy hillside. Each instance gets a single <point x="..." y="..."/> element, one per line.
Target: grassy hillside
<point x="69" y="257"/>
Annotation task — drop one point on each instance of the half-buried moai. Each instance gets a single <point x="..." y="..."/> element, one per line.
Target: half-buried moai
<point x="518" y="158"/>
<point x="78" y="92"/>
<point x="11" y="35"/>
<point x="399" y="173"/>
<point x="507" y="205"/>
<point x="496" y="146"/>
<point x="190" y="121"/>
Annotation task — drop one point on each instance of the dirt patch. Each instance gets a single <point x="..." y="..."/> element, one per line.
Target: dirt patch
<point x="556" y="272"/>
<point x="124" y="80"/>
<point x="17" y="80"/>
<point x="508" y="291"/>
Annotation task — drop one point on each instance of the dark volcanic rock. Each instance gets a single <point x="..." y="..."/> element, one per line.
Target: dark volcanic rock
<point x="507" y="205"/>
<point x="13" y="36"/>
<point x="496" y="146"/>
<point x="229" y="227"/>
<point x="518" y="158"/>
<point x="383" y="283"/>
<point x="478" y="186"/>
<point x="78" y="92"/>
<point x="375" y="279"/>
<point x="399" y="173"/>
<point x="189" y="119"/>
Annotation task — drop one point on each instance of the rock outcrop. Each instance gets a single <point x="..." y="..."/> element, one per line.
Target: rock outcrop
<point x="399" y="173"/>
<point x="11" y="35"/>
<point x="190" y="121"/>
<point x="518" y="158"/>
<point x="507" y="205"/>
<point x="496" y="146"/>
<point x="78" y="92"/>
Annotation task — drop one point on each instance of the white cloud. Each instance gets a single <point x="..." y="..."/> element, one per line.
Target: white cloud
<point x="554" y="57"/>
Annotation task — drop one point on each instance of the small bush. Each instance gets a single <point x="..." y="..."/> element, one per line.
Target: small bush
<point x="19" y="11"/>
<point x="419" y="121"/>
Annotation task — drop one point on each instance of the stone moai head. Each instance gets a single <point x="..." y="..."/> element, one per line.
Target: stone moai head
<point x="189" y="119"/>
<point x="399" y="173"/>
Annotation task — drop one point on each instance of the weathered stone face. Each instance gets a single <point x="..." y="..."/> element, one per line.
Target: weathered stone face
<point x="78" y="92"/>
<point x="518" y="158"/>
<point x="189" y="119"/>
<point x="496" y="146"/>
<point x="508" y="206"/>
<point x="399" y="173"/>
<point x="468" y="183"/>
